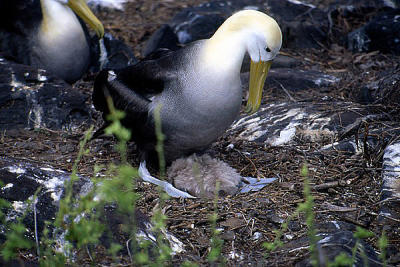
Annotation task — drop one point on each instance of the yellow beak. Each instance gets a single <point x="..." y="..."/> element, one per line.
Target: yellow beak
<point x="83" y="11"/>
<point x="258" y="74"/>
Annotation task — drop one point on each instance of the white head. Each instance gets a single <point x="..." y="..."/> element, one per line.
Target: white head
<point x="263" y="35"/>
<point x="255" y="33"/>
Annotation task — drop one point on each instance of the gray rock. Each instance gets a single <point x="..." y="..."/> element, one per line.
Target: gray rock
<point x="199" y="22"/>
<point x="280" y="61"/>
<point x="292" y="79"/>
<point x="298" y="79"/>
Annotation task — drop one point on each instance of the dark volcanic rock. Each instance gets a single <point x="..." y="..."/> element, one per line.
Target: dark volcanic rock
<point x="195" y="23"/>
<point x="381" y="33"/>
<point x="332" y="244"/>
<point x="164" y="37"/>
<point x="354" y="6"/>
<point x="197" y="27"/>
<point x="31" y="98"/>
<point x="303" y="25"/>
<point x="280" y="61"/>
<point x="386" y="90"/>
<point x="336" y="237"/>
<point x="110" y="53"/>
<point x="22" y="179"/>
<point x="199" y="22"/>
<point x="294" y="79"/>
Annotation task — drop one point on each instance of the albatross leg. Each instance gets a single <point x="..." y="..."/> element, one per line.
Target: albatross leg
<point x="167" y="187"/>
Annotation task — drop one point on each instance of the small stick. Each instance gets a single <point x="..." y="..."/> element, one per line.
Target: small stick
<point x="35" y="219"/>
<point x="286" y="91"/>
<point x="128" y="249"/>
<point x="328" y="185"/>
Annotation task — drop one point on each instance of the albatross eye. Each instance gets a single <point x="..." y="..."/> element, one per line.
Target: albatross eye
<point x="267" y="49"/>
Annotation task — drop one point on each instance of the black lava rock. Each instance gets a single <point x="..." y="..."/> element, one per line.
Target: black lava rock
<point x="199" y="26"/>
<point x="32" y="98"/>
<point x="162" y="38"/>
<point x="381" y="33"/>
<point x="303" y="25"/>
<point x="116" y="55"/>
<point x="332" y="244"/>
<point x="21" y="180"/>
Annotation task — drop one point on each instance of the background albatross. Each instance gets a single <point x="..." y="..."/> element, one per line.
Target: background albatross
<point x="47" y="34"/>
<point x="197" y="88"/>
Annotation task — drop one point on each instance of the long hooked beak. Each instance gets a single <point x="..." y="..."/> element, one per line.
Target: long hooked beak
<point x="258" y="74"/>
<point x="83" y="11"/>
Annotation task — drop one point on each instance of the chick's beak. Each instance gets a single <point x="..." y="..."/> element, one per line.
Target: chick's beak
<point x="83" y="11"/>
<point x="258" y="74"/>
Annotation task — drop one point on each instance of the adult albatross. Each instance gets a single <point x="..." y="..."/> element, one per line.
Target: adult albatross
<point x="197" y="88"/>
<point x="47" y="34"/>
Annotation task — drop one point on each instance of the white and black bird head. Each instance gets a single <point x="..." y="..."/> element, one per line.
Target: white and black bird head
<point x="252" y="32"/>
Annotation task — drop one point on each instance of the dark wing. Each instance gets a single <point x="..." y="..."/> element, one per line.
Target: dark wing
<point x="131" y="89"/>
<point x="158" y="54"/>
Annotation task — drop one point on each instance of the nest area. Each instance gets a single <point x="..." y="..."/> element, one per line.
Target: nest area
<point x="345" y="187"/>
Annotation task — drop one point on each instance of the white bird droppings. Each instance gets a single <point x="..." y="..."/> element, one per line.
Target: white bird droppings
<point x="16" y="169"/>
<point x="7" y="186"/>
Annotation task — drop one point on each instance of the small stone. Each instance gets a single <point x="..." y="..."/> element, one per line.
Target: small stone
<point x="227" y="235"/>
<point x="257" y="235"/>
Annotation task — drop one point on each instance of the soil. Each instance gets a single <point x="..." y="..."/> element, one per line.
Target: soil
<point x="250" y="219"/>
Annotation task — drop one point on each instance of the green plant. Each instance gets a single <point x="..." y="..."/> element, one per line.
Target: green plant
<point x="15" y="240"/>
<point x="341" y="260"/>
<point x="215" y="253"/>
<point x="360" y="234"/>
<point x="307" y="208"/>
<point x="80" y="217"/>
<point x="78" y="220"/>
<point x="15" y="236"/>
<point x="383" y="244"/>
<point x="160" y="140"/>
<point x="4" y="204"/>
<point x="159" y="218"/>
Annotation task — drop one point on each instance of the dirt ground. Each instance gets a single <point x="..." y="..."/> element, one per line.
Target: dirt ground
<point x="244" y="215"/>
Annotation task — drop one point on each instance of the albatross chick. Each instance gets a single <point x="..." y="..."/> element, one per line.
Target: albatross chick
<point x="199" y="175"/>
